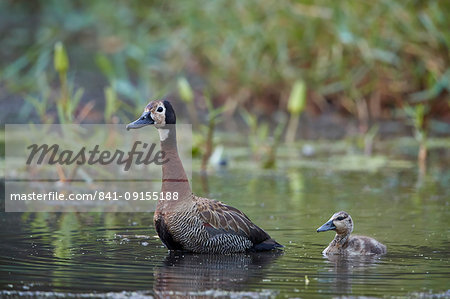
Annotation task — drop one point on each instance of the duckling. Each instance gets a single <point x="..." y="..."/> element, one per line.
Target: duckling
<point x="343" y="243"/>
<point x="193" y="223"/>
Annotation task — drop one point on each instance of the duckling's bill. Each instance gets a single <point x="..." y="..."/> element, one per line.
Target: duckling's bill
<point x="327" y="226"/>
<point x="145" y="120"/>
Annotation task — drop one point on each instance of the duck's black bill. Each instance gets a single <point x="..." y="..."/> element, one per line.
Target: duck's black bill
<point x="142" y="121"/>
<point x="327" y="226"/>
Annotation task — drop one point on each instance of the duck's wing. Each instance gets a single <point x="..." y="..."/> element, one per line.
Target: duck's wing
<point x="220" y="218"/>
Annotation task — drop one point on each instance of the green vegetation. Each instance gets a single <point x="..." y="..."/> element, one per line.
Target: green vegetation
<point x="366" y="60"/>
<point x="249" y="76"/>
<point x="366" y="57"/>
<point x="417" y="114"/>
<point x="296" y="105"/>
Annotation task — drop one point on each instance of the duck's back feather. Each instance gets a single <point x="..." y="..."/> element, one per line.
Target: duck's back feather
<point x="224" y="219"/>
<point x="220" y="218"/>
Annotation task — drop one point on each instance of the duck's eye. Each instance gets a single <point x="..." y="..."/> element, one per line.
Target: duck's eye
<point x="160" y="109"/>
<point x="340" y="218"/>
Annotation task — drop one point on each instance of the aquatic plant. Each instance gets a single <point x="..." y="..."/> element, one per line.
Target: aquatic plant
<point x="417" y="115"/>
<point x="263" y="147"/>
<point x="187" y="96"/>
<point x="296" y="105"/>
<point x="214" y="117"/>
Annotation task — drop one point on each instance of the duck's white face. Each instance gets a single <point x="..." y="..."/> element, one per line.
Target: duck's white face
<point x="157" y="113"/>
<point x="341" y="222"/>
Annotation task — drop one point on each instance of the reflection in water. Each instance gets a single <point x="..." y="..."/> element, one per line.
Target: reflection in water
<point x="185" y="274"/>
<point x="347" y="268"/>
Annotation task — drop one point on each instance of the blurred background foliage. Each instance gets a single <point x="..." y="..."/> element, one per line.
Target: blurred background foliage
<point x="364" y="60"/>
<point x="265" y="73"/>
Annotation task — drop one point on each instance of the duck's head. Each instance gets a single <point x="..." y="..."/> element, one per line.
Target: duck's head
<point x="158" y="113"/>
<point x="341" y="222"/>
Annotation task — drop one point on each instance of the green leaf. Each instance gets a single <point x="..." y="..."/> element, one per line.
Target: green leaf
<point x="185" y="90"/>
<point x="111" y="102"/>
<point x="61" y="61"/>
<point x="297" y="99"/>
<point x="105" y="65"/>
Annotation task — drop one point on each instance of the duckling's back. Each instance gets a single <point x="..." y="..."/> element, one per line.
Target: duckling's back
<point x="363" y="245"/>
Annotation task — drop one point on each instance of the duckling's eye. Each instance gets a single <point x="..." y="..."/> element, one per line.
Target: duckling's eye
<point x="340" y="218"/>
<point x="160" y="109"/>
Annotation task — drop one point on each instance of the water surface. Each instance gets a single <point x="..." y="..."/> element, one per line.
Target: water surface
<point x="118" y="254"/>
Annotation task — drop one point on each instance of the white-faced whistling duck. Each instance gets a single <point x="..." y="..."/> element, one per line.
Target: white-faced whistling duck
<point x="192" y="223"/>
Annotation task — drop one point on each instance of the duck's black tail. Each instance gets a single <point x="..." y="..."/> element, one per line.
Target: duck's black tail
<point x="269" y="244"/>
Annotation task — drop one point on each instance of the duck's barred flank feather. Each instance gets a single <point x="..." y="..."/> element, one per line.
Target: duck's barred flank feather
<point x="208" y="226"/>
<point x="164" y="233"/>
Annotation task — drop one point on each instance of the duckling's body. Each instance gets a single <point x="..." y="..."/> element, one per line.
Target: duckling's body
<point x="355" y="245"/>
<point x="193" y="223"/>
<point x="344" y="242"/>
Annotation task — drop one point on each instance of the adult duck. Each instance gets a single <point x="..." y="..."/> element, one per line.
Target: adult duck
<point x="344" y="243"/>
<point x="193" y="223"/>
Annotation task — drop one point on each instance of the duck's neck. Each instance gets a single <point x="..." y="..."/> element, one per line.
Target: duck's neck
<point x="340" y="240"/>
<point x="174" y="178"/>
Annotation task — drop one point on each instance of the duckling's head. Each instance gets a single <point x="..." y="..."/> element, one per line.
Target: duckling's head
<point x="159" y="113"/>
<point x="341" y="222"/>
